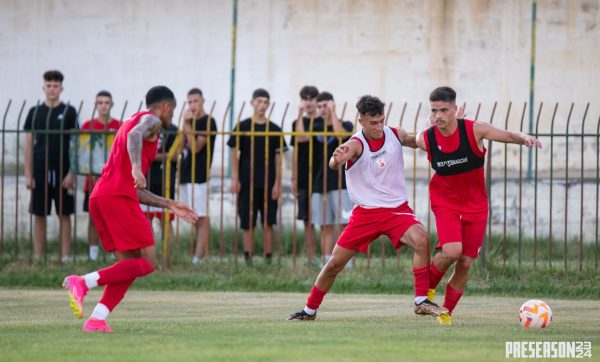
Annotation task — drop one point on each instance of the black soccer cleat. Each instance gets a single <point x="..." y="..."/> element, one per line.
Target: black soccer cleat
<point x="301" y="315"/>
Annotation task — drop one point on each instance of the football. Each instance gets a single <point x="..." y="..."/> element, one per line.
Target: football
<point x="535" y="314"/>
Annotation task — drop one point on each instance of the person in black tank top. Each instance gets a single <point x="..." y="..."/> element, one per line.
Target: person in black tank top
<point x="460" y="233"/>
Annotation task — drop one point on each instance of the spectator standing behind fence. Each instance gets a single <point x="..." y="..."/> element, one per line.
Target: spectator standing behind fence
<point x="195" y="166"/>
<point x="328" y="188"/>
<point x="243" y="166"/>
<point x="157" y="178"/>
<point x="308" y="116"/>
<point x="104" y="122"/>
<point x="48" y="175"/>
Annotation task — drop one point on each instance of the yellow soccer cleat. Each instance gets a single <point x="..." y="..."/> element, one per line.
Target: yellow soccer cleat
<point x="431" y="294"/>
<point x="445" y="319"/>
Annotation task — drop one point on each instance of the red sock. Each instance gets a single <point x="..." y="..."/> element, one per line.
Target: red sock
<point x="435" y="275"/>
<point x="125" y="270"/>
<point x="421" y="281"/>
<point x="452" y="297"/>
<point x="114" y="293"/>
<point x="315" y="297"/>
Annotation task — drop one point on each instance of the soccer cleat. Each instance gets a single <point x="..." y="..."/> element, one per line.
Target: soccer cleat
<point x="96" y="325"/>
<point x="445" y="319"/>
<point x="77" y="290"/>
<point x="428" y="307"/>
<point x="301" y="315"/>
<point x="431" y="294"/>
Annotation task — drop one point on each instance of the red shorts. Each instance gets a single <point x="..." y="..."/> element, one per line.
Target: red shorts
<point x="469" y="229"/>
<point x="366" y="225"/>
<point x="121" y="223"/>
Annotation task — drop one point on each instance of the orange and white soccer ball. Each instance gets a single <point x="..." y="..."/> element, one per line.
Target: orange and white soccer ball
<point x="535" y="314"/>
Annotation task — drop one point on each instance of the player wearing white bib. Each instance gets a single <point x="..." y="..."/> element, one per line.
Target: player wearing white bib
<point x="374" y="167"/>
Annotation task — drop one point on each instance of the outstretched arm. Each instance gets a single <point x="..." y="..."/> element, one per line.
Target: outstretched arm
<point x="147" y="128"/>
<point x="349" y="150"/>
<point x="180" y="209"/>
<point x="406" y="139"/>
<point x="484" y="130"/>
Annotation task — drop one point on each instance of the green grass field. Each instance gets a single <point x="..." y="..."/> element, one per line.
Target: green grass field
<point x="37" y="325"/>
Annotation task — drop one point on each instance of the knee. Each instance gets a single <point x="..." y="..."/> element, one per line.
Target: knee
<point x="334" y="266"/>
<point x="421" y="242"/>
<point x="464" y="262"/>
<point x="452" y="254"/>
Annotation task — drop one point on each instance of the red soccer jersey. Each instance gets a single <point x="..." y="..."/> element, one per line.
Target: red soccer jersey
<point x="97" y="125"/>
<point x="463" y="192"/>
<point x="116" y="179"/>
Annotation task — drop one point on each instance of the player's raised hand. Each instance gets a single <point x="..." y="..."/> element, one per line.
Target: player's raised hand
<point x="530" y="141"/>
<point x="139" y="180"/>
<point x="341" y="154"/>
<point x="183" y="211"/>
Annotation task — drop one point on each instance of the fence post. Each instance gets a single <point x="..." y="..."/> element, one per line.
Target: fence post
<point x="488" y="178"/>
<point x="2" y="182"/>
<point x="535" y="192"/>
<point x="581" y="189"/>
<point x="17" y="181"/>
<point x="550" y="241"/>
<point x="566" y="236"/>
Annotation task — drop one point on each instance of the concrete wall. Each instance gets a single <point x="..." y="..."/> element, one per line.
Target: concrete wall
<point x="398" y="50"/>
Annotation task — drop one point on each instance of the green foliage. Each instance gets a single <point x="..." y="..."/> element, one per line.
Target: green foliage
<point x="385" y="271"/>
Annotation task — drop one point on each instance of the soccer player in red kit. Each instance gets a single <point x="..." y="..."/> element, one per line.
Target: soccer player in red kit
<point x="374" y="167"/>
<point x="457" y="190"/>
<point x="115" y="209"/>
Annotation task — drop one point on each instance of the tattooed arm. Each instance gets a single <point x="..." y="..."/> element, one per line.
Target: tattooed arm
<point x="180" y="209"/>
<point x="147" y="129"/>
<point x="148" y="198"/>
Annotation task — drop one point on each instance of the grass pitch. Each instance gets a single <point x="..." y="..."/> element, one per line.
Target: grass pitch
<point x="37" y="325"/>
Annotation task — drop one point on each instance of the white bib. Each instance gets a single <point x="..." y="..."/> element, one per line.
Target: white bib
<point x="376" y="179"/>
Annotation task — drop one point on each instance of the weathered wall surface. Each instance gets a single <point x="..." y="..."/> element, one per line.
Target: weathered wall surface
<point x="399" y="50"/>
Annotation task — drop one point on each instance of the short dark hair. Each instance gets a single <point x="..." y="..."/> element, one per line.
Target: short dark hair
<point x="104" y="93"/>
<point x="260" y="93"/>
<point x="324" y="96"/>
<point x="443" y="94"/>
<point x="309" y="92"/>
<point x="195" y="91"/>
<point x="54" y="75"/>
<point x="157" y="94"/>
<point x="370" y="105"/>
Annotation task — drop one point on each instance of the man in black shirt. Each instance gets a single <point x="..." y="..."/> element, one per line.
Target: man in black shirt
<point x="304" y="172"/>
<point x="49" y="171"/>
<point x="195" y="166"/>
<point x="248" y="173"/>
<point x="330" y="201"/>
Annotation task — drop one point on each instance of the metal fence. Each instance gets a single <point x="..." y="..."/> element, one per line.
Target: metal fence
<point x="543" y="204"/>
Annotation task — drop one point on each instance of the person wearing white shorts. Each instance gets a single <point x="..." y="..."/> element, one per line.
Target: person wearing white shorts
<point x="195" y="195"/>
<point x="198" y="128"/>
<point x="330" y="183"/>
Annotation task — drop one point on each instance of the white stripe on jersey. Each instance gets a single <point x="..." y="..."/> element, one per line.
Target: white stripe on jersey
<point x="376" y="179"/>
